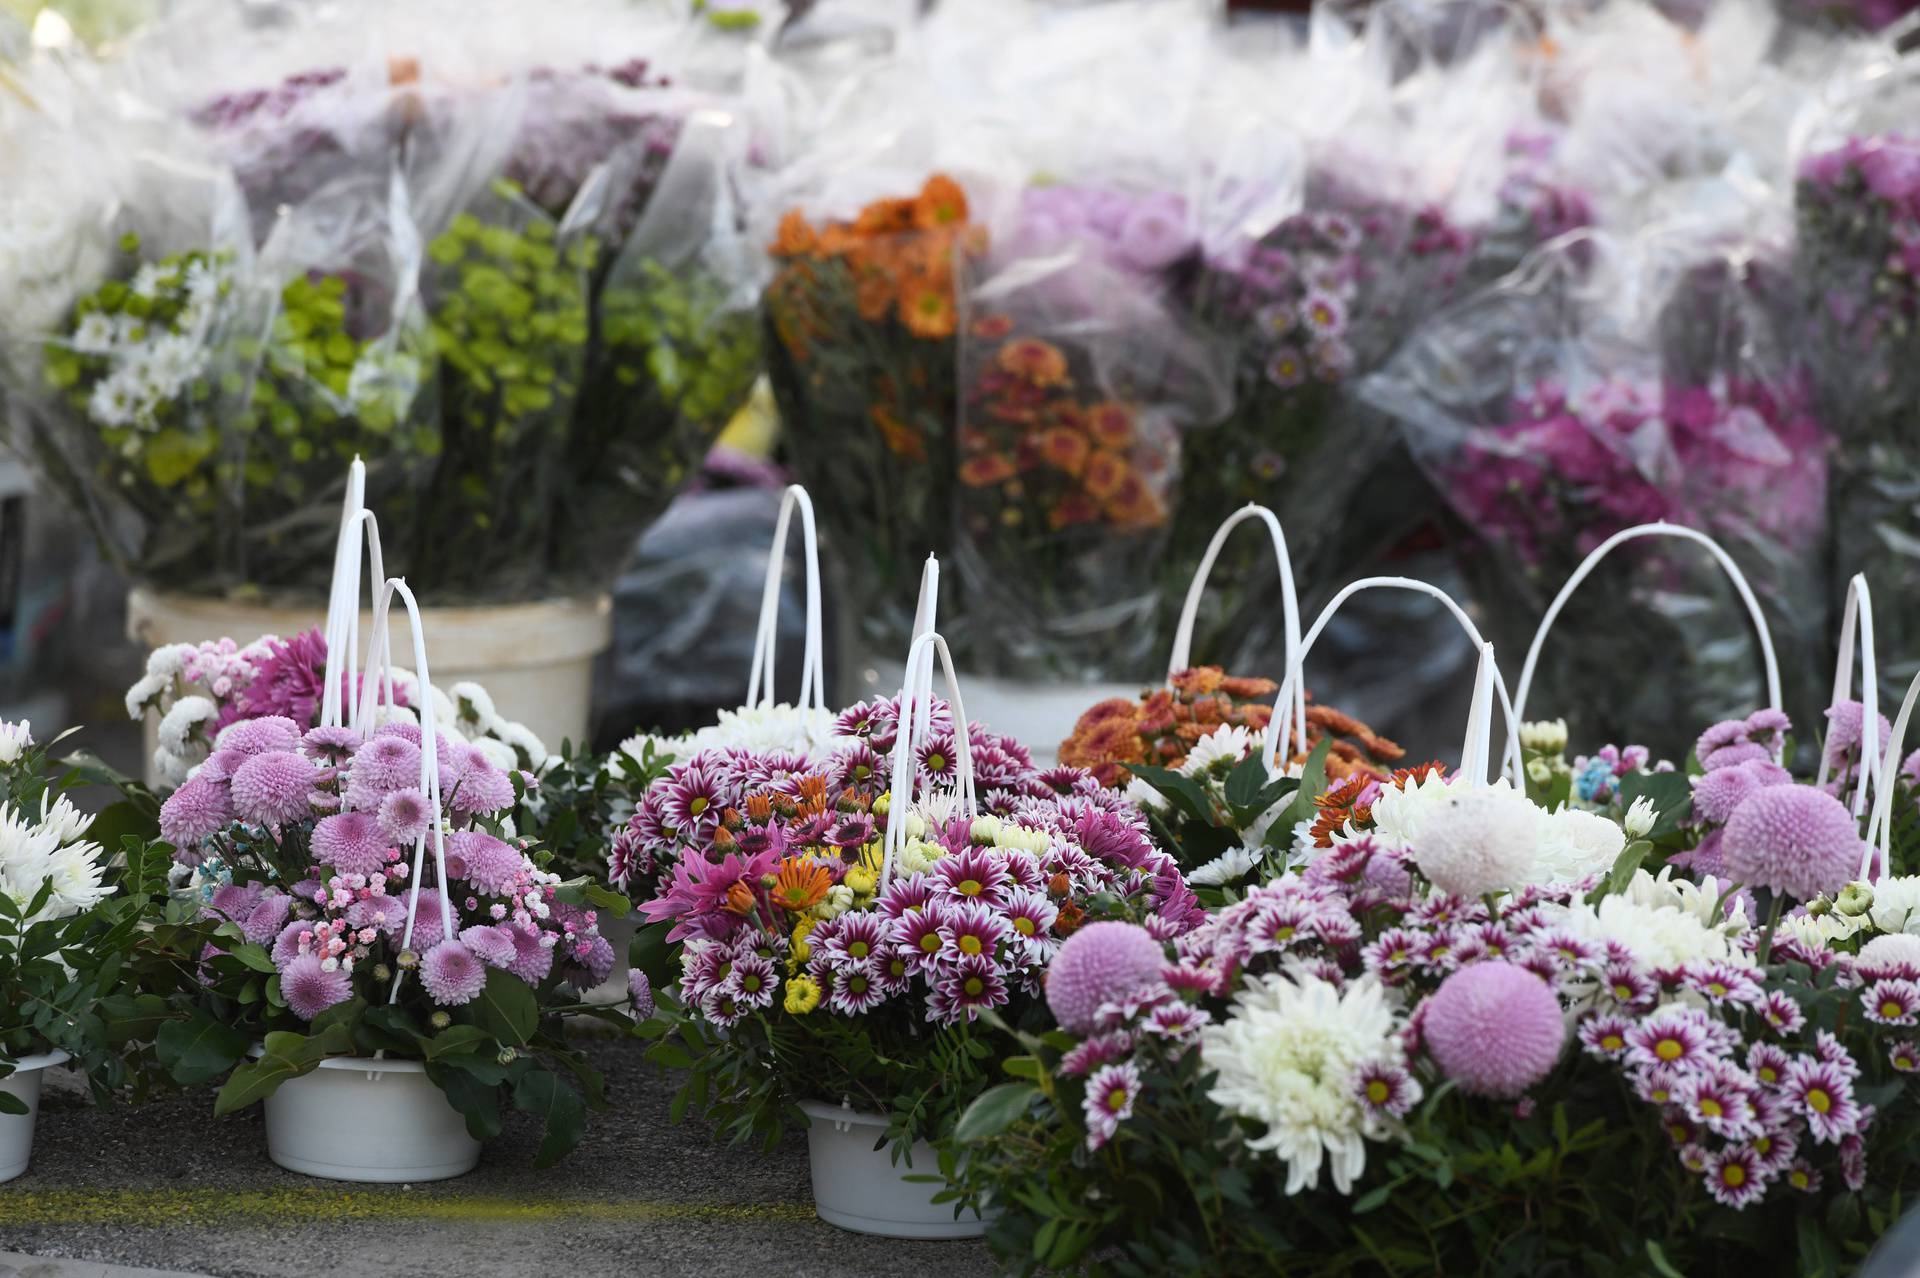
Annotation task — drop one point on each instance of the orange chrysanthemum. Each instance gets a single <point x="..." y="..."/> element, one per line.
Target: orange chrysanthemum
<point x="1106" y="472"/>
<point x="1065" y="450"/>
<point x="942" y="202"/>
<point x="801" y="884"/>
<point x="740" y="898"/>
<point x="1034" y="361"/>
<point x="1072" y="510"/>
<point x="1111" y="423"/>
<point x="886" y="217"/>
<point x="991" y="328"/>
<point x="795" y="237"/>
<point x="901" y="439"/>
<point x="926" y="306"/>
<point x="759" y="809"/>
<point x="985" y="469"/>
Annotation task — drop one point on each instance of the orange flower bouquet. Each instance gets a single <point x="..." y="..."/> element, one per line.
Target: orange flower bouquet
<point x="862" y="316"/>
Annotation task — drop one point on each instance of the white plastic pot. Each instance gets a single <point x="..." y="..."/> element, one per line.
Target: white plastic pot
<point x="860" y="1188"/>
<point x="16" y="1130"/>
<point x="534" y="659"/>
<point x="1038" y="714"/>
<point x="356" y="1118"/>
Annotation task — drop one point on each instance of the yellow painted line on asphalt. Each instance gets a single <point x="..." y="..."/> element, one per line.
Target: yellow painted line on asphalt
<point x="230" y="1208"/>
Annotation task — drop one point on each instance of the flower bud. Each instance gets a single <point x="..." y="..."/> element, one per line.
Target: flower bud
<point x="507" y="1056"/>
<point x="1640" y="818"/>
<point x="1854" y="900"/>
<point x="440" y="1020"/>
<point x="408" y="960"/>
<point x="1547" y="736"/>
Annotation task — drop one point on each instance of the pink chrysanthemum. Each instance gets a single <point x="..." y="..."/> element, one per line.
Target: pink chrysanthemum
<point x="403" y="815"/>
<point x="310" y="989"/>
<point x="491" y="867"/>
<point x="493" y="944"/>
<point x="273" y="788"/>
<point x="452" y="974"/>
<point x="1892" y="954"/>
<point x="1716" y="794"/>
<point x="331" y="745"/>
<point x="234" y="901"/>
<point x="482" y="788"/>
<point x="264" y="921"/>
<point x="1844" y="722"/>
<point x="267" y="735"/>
<point x="286" y="946"/>
<point x="639" y="994"/>
<point x="1098" y="964"/>
<point x="592" y="961"/>
<point x="1793" y="839"/>
<point x="384" y="764"/>
<point x="386" y="914"/>
<point x="194" y="811"/>
<point x="428" y="928"/>
<point x="350" y="842"/>
<point x="221" y="765"/>
<point x="1495" y="1028"/>
<point x="534" y="960"/>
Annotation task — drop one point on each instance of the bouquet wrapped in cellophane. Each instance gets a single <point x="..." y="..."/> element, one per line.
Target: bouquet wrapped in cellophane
<point x="447" y="259"/>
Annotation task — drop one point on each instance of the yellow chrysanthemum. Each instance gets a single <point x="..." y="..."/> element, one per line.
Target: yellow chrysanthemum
<point x="862" y="880"/>
<point x="803" y="995"/>
<point x="801" y="951"/>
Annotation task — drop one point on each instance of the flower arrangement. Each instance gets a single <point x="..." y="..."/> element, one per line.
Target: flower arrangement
<point x="1477" y="1036"/>
<point x="863" y="317"/>
<point x="200" y="690"/>
<point x="292" y="842"/>
<point x="814" y="964"/>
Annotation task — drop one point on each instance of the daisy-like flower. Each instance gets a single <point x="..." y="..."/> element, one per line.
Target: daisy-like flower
<point x="1392" y="952"/>
<point x="1386" y="1089"/>
<point x="1767" y="1063"/>
<point x="1675" y="1036"/>
<point x="973" y="875"/>
<point x="1721" y="983"/>
<point x="1904" y="1056"/>
<point x="800" y="884"/>
<point x="1094" y="1051"/>
<point x="855" y="992"/>
<point x="1893" y="1001"/>
<point x="1109" y="1101"/>
<point x="1853" y="1162"/>
<point x="857" y="944"/>
<point x="1734" y="1176"/>
<point x="690" y="798"/>
<point x="1605" y="1035"/>
<point x="968" y="985"/>
<point x="905" y="896"/>
<point x="1821" y="1093"/>
<point x="917" y="934"/>
<point x="1778" y="1009"/>
<point x="1031" y="915"/>
<point x="1656" y="1086"/>
<point x="1715" y="1099"/>
<point x="1630" y="988"/>
<point x="1803" y="1176"/>
<point x="1287" y="368"/>
<point x="1324" y="314"/>
<point x="1829" y="1050"/>
<point x="753" y="981"/>
<point x="1177" y="1021"/>
<point x="973" y="930"/>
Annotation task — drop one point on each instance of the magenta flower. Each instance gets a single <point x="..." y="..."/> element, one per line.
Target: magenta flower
<point x="491" y="943"/>
<point x="1031" y="915"/>
<point x="273" y="789"/>
<point x="286" y="946"/>
<point x="1721" y="983"/>
<point x="350" y="842"/>
<point x="1495" y="1028"/>
<point x="491" y="867"/>
<point x="1676" y="1037"/>
<point x="1767" y="1063"/>
<point x="917" y="935"/>
<point x="1793" y="839"/>
<point x="855" y="993"/>
<point x="1605" y="1035"/>
<point x="265" y="920"/>
<point x="975" y="874"/>
<point x="260" y="736"/>
<point x="639" y="994"/>
<point x="1109" y="1099"/>
<point x="429" y="930"/>
<point x="452" y="974"/>
<point x="329" y="745"/>
<point x="481" y="788"/>
<point x="1779" y="1010"/>
<point x="1179" y="1022"/>
<point x="1734" y="1176"/>
<point x="1098" y="964"/>
<point x="386" y="914"/>
<point x="195" y="811"/>
<point x="1903" y="1056"/>
<point x="1822" y="1094"/>
<point x="403" y="816"/>
<point x="1892" y="1001"/>
<point x="1715" y="1099"/>
<point x="857" y="944"/>
<point x="1094" y="1051"/>
<point x="690" y="800"/>
<point x="311" y="989"/>
<point x="387" y="762"/>
<point x="905" y="895"/>
<point x="753" y="980"/>
<point x="1386" y="1089"/>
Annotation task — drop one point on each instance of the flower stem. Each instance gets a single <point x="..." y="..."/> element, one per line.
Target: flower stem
<point x="1773" y="920"/>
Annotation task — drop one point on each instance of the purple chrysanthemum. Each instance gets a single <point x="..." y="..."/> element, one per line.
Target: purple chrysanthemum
<point x="1109" y="1099"/>
<point x="234" y="901"/>
<point x="286" y="946"/>
<point x="350" y="842"/>
<point x="1779" y="1010"/>
<point x="973" y="875"/>
<point x="429" y="929"/>
<point x="1677" y="1037"/>
<point x="1844" y="722"/>
<point x="264" y="921"/>
<point x="1793" y="839"/>
<point x="533" y="959"/>
<point x="973" y="930"/>
<point x="1495" y="1028"/>
<point x="1383" y="1088"/>
<point x="592" y="961"/>
<point x="1716" y="794"/>
<point x="1822" y="1094"/>
<point x="479" y="859"/>
<point x="403" y="815"/>
<point x="267" y="735"/>
<point x="273" y="788"/>
<point x="194" y="811"/>
<point x="1892" y="1001"/>
<point x="1734" y="1177"/>
<point x="639" y="994"/>
<point x="220" y="765"/>
<point x="310" y="988"/>
<point x="968" y="986"/>
<point x="1604" y="1035"/>
<point x="482" y="788"/>
<point x="330" y="745"/>
<point x="384" y="764"/>
<point x="1098" y="964"/>
<point x="387" y="914"/>
<point x="492" y="943"/>
<point x="452" y="974"/>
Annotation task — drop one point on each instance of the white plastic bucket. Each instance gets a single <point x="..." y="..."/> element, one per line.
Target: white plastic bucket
<point x="860" y="1188"/>
<point x="534" y="659"/>
<point x="16" y="1130"/>
<point x="356" y="1118"/>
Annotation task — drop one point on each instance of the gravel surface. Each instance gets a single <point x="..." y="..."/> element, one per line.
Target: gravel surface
<point x="168" y="1186"/>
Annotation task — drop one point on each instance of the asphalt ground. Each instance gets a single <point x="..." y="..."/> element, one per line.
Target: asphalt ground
<point x="169" y="1187"/>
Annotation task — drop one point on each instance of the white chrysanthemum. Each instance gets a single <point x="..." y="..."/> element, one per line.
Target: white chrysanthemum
<point x="1400" y="812"/>
<point x="1701" y="899"/>
<point x="938" y="808"/>
<point x="1229" y="867"/>
<point x="475" y="703"/>
<point x="1143" y="796"/>
<point x="523" y="741"/>
<point x="179" y="725"/>
<point x="14" y="739"/>
<point x="76" y="872"/>
<point x="1822" y="930"/>
<point x="802" y="730"/>
<point x="1896" y="904"/>
<point x="1287" y="1055"/>
<point x="624" y="762"/>
<point x="173" y="769"/>
<point x="1658" y="936"/>
<point x="1005" y="834"/>
<point x="168" y="660"/>
<point x="66" y="822"/>
<point x="915" y="856"/>
<point x="31" y="854"/>
<point x="1478" y="840"/>
<point x="1227" y="744"/>
<point x="1576" y="844"/>
<point x="142" y="695"/>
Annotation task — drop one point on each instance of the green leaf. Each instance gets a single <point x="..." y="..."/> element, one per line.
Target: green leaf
<point x="477" y="1100"/>
<point x="11" y="1104"/>
<point x="1671" y="794"/>
<point x="287" y="1055"/>
<point x="1246" y="781"/>
<point x="1622" y="872"/>
<point x="1313" y="784"/>
<point x="134" y="1017"/>
<point x="587" y="892"/>
<point x="255" y="957"/>
<point x="993" y="1111"/>
<point x="1660" y="1263"/>
<point x="198" y="1049"/>
<point x="651" y="952"/>
<point x="507" y="1008"/>
<point x="563" y="1115"/>
<point x="457" y="1039"/>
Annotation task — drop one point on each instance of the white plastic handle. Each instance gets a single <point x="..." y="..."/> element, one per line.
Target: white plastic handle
<point x="1858" y="618"/>
<point x="926" y="610"/>
<point x="378" y="649"/>
<point x="343" y="596"/>
<point x="918" y="685"/>
<point x="1658" y="529"/>
<point x="1289" y="601"/>
<point x="813" y="682"/>
<point x="1880" y="828"/>
<point x="1476" y="750"/>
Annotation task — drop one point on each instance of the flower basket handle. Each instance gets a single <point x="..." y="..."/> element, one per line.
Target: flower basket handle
<point x="1880" y="827"/>
<point x="926" y="610"/>
<point x="1477" y="750"/>
<point x="379" y="653"/>
<point x="760" y="678"/>
<point x="1858" y="620"/>
<point x="338" y="707"/>
<point x="1182" y="656"/>
<point x="918" y="686"/>
<point x="1659" y="528"/>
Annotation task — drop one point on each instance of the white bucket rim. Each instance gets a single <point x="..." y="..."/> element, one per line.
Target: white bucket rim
<point x="364" y="1064"/>
<point x="841" y="1113"/>
<point x="40" y="1060"/>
